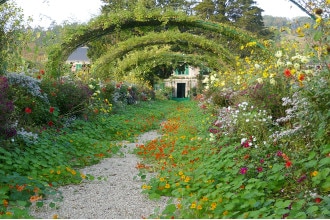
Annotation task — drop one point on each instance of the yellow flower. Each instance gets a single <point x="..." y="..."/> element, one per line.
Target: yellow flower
<point x="83" y="176"/>
<point x="167" y="186"/>
<point x="179" y="206"/>
<point x="71" y="141"/>
<point x="9" y="213"/>
<point x="225" y="213"/>
<point x="51" y="171"/>
<point x="205" y="199"/>
<point x="314" y="173"/>
<point x="144" y="186"/>
<point x="327" y="2"/>
<point x="193" y="205"/>
<point x="162" y="179"/>
<point x="55" y="216"/>
<point x="318" y="19"/>
<point x="180" y="173"/>
<point x="307" y="25"/>
<point x="199" y="207"/>
<point x="213" y="205"/>
<point x="58" y="172"/>
<point x="187" y="179"/>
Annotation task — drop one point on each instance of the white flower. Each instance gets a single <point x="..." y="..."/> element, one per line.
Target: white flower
<point x="272" y="81"/>
<point x="279" y="63"/>
<point x="257" y="66"/>
<point x="278" y="54"/>
<point x="259" y="80"/>
<point x="304" y="59"/>
<point x="247" y="120"/>
<point x="288" y="64"/>
<point x="296" y="66"/>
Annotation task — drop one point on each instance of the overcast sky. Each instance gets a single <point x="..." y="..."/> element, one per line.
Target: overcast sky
<point x="46" y="11"/>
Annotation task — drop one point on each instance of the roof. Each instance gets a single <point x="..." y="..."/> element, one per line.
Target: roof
<point x="79" y="55"/>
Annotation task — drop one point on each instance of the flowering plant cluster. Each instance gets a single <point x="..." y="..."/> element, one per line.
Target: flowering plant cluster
<point x="6" y="109"/>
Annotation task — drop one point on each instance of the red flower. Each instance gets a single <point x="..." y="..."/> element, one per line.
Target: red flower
<point x="318" y="200"/>
<point x="50" y="123"/>
<point x="287" y="73"/>
<point x="259" y="169"/>
<point x="51" y="109"/>
<point x="28" y="110"/>
<point x="301" y="77"/>
<point x="288" y="164"/>
<point x="42" y="72"/>
<point x="39" y="77"/>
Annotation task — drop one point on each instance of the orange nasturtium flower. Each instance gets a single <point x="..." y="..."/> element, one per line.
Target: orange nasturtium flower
<point x="35" y="198"/>
<point x="213" y="205"/>
<point x="314" y="173"/>
<point x="5" y="203"/>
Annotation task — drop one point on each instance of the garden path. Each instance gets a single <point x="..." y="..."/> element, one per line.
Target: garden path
<point x="117" y="196"/>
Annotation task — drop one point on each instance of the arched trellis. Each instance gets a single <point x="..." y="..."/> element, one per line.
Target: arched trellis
<point x="224" y="57"/>
<point x="144" y="60"/>
<point x="105" y="24"/>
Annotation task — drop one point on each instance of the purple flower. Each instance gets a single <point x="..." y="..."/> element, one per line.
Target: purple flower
<point x="302" y="178"/>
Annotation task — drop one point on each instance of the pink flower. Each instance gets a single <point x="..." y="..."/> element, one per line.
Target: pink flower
<point x="259" y="169"/>
<point x="243" y="170"/>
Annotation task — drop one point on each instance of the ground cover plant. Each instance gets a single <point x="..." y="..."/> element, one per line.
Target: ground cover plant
<point x="32" y="172"/>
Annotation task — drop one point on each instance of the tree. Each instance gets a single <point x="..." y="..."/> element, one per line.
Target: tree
<point x="240" y="13"/>
<point x="2" y="1"/>
<point x="12" y="37"/>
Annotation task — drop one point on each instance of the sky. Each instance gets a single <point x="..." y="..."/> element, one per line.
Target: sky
<point x="44" y="12"/>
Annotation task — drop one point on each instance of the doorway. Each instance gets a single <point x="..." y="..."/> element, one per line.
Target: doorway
<point x="181" y="90"/>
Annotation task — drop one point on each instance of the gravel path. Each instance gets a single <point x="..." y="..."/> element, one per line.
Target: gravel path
<point x="117" y="196"/>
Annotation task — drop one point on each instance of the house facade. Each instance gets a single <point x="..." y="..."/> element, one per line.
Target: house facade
<point x="78" y="59"/>
<point x="183" y="80"/>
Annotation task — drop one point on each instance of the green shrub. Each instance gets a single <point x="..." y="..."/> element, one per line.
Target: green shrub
<point x="71" y="97"/>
